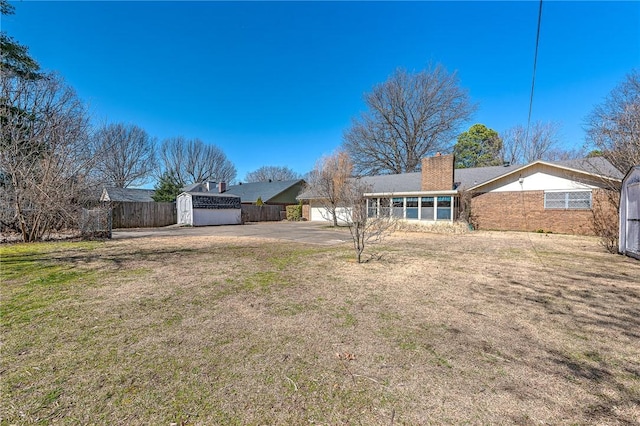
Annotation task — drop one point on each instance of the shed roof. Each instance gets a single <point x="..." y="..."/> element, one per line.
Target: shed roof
<point x="210" y="194"/>
<point x="633" y="175"/>
<point x="250" y="192"/>
<point x="127" y="194"/>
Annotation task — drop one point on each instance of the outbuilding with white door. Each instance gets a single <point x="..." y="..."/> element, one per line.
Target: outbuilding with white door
<point x="629" y="237"/>
<point x="205" y="209"/>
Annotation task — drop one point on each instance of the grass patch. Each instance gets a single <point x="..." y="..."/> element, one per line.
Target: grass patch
<point x="200" y="331"/>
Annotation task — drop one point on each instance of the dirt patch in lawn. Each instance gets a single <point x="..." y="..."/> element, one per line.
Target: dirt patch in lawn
<point x="479" y="328"/>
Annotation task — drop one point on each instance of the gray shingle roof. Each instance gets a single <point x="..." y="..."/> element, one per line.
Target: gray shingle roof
<point x="192" y="187"/>
<point x="596" y="165"/>
<point x="405" y="182"/>
<point x="467" y="178"/>
<point x="127" y="194"/>
<point x="477" y="175"/>
<point x="249" y="192"/>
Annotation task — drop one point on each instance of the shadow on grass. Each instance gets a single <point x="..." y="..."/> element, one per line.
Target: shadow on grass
<point x="597" y="312"/>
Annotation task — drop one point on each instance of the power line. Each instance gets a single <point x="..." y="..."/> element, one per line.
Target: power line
<point x="533" y="80"/>
<point x="526" y="140"/>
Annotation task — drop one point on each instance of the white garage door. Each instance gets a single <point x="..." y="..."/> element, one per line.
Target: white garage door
<point x="320" y="214"/>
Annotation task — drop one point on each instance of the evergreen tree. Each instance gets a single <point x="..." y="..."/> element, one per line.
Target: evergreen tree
<point x="167" y="189"/>
<point x="14" y="57"/>
<point x="478" y="147"/>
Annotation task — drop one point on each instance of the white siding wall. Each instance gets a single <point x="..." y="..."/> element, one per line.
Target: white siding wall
<point x="320" y="214"/>
<point x="540" y="181"/>
<point x="205" y="217"/>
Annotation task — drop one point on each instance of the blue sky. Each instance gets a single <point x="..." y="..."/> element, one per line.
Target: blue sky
<point x="277" y="83"/>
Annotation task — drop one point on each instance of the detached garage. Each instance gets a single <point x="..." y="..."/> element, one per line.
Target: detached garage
<point x="629" y="238"/>
<point x="203" y="209"/>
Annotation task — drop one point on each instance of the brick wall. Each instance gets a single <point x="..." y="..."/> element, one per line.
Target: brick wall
<point x="524" y="211"/>
<point x="437" y="173"/>
<point x="306" y="212"/>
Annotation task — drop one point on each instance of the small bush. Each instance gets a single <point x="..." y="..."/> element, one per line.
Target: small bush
<point x="294" y="213"/>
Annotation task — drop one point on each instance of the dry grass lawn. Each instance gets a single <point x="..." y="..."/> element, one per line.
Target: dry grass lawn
<point x="478" y="328"/>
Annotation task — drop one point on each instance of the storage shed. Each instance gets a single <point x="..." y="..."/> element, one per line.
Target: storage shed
<point x="629" y="238"/>
<point x="204" y="209"/>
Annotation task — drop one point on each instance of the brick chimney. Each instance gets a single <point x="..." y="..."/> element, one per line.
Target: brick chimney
<point x="222" y="187"/>
<point x="437" y="173"/>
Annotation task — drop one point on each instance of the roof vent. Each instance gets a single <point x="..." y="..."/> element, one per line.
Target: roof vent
<point x="506" y="164"/>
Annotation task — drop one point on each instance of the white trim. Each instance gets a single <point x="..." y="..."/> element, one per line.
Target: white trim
<point x="410" y="194"/>
<point x="545" y="163"/>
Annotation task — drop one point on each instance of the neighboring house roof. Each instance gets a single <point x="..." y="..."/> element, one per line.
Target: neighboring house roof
<point x="194" y="187"/>
<point x="127" y="195"/>
<point x="267" y="191"/>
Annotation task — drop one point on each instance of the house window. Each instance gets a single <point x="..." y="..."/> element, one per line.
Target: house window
<point x="398" y="207"/>
<point x="427" y="208"/>
<point x="412" y="207"/>
<point x="567" y="200"/>
<point x="444" y="208"/>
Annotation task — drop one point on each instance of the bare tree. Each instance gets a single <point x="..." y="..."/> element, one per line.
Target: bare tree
<point x="128" y="155"/>
<point x="190" y="161"/>
<point x="271" y="173"/>
<point x="613" y="132"/>
<point x="409" y="116"/>
<point x="613" y="127"/>
<point x="365" y="228"/>
<point x="539" y="143"/>
<point x="44" y="157"/>
<point x="559" y="154"/>
<point x="328" y="181"/>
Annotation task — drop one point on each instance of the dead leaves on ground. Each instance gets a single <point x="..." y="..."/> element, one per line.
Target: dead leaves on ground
<point x="347" y="356"/>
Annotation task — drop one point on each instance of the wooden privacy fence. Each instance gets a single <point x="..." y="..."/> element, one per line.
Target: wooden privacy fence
<point x="143" y="214"/>
<point x="264" y="213"/>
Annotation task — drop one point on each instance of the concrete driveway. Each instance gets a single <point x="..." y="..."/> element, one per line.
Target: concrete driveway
<point x="306" y="232"/>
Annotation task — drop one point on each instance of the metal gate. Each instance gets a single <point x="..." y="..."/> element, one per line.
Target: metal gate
<point x="95" y="223"/>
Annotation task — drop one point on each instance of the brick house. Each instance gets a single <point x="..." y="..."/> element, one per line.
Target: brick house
<point x="549" y="196"/>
